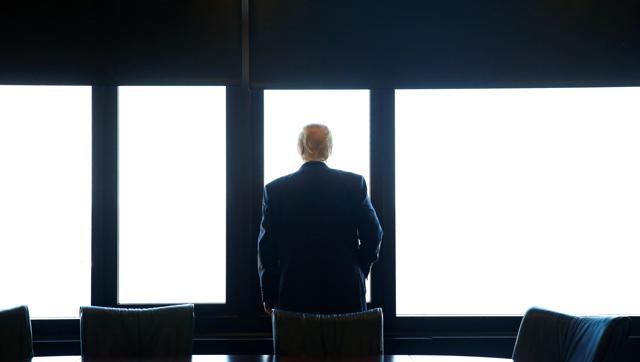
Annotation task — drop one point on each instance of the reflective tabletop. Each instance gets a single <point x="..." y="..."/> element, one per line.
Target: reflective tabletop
<point x="271" y="358"/>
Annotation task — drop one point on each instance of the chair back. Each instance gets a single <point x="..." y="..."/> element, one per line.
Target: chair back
<point x="15" y="334"/>
<point x="554" y="337"/>
<point x="336" y="335"/>
<point x="164" y="332"/>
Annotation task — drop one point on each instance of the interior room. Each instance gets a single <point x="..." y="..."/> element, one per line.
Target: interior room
<point x="498" y="142"/>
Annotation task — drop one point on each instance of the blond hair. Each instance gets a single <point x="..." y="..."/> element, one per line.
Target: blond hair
<point x="315" y="142"/>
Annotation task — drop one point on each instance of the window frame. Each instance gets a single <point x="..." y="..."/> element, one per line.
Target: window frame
<point x="422" y="328"/>
<point x="64" y="332"/>
<point x="241" y="318"/>
<point x="105" y="205"/>
<point x="158" y="304"/>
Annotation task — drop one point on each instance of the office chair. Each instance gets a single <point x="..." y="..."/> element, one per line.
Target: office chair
<point x="16" y="342"/>
<point x="546" y="336"/>
<point x="164" y="332"/>
<point x="336" y="335"/>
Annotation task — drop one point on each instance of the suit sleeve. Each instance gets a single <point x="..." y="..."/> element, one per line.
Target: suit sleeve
<point x="369" y="230"/>
<point x="268" y="265"/>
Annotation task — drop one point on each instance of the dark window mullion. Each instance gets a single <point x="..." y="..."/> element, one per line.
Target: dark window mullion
<point x="382" y="196"/>
<point x="257" y="183"/>
<point x="237" y="198"/>
<point x="104" y="216"/>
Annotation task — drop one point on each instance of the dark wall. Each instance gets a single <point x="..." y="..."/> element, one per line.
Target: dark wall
<point x="306" y="43"/>
<point x="438" y="43"/>
<point x="44" y="41"/>
<point x="120" y="42"/>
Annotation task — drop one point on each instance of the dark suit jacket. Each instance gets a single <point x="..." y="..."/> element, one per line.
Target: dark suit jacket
<point x="318" y="239"/>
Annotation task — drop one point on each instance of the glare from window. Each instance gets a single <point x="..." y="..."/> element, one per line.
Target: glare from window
<point x="45" y="199"/>
<point x="345" y="112"/>
<point x="510" y="198"/>
<point x="172" y="194"/>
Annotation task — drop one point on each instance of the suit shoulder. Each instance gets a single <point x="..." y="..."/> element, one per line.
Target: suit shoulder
<point x="347" y="174"/>
<point x="279" y="183"/>
<point x="349" y="177"/>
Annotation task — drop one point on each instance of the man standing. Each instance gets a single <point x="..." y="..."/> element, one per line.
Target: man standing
<point x="319" y="235"/>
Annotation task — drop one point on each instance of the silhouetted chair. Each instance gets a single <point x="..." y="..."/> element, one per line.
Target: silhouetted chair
<point x="547" y="336"/>
<point x="153" y="333"/>
<point x="15" y="334"/>
<point x="337" y="335"/>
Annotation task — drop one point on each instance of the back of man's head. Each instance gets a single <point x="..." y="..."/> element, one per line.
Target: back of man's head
<point x="315" y="142"/>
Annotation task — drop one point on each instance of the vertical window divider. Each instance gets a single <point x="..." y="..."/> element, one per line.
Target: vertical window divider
<point x="237" y="200"/>
<point x="257" y="177"/>
<point x="244" y="192"/>
<point x="104" y="209"/>
<point x="383" y="197"/>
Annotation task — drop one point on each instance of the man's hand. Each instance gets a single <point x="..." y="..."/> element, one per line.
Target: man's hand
<point x="268" y="309"/>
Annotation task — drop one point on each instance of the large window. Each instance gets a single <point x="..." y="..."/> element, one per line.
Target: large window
<point x="45" y="199"/>
<point x="509" y="198"/>
<point x="345" y="112"/>
<point x="172" y="195"/>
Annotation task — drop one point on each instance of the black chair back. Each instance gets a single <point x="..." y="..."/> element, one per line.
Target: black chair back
<point x="15" y="334"/>
<point x="554" y="337"/>
<point x="336" y="335"/>
<point x="154" y="333"/>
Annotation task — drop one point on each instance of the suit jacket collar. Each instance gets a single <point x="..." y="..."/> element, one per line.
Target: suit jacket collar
<point x="313" y="165"/>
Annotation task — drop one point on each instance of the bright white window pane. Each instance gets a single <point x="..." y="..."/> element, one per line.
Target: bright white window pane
<point x="345" y="112"/>
<point x="45" y="199"/>
<point x="172" y="194"/>
<point x="510" y="198"/>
